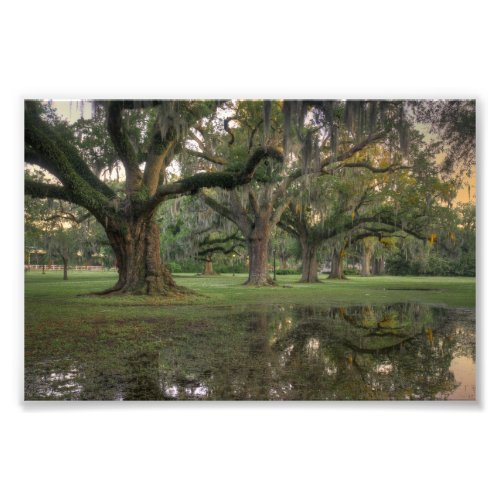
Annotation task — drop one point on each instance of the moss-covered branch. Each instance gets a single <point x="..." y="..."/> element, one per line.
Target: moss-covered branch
<point x="44" y="190"/>
<point x="212" y="241"/>
<point x="216" y="245"/>
<point x="39" y="141"/>
<point x="33" y="124"/>
<point x="227" y="179"/>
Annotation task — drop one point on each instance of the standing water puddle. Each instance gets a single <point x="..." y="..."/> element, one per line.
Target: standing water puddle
<point x="392" y="352"/>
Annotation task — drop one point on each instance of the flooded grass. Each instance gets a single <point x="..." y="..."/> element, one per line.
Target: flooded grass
<point x="79" y="348"/>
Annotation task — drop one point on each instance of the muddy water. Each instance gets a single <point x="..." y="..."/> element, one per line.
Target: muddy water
<point x="394" y="352"/>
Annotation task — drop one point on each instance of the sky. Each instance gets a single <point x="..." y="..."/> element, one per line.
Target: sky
<point x="73" y="110"/>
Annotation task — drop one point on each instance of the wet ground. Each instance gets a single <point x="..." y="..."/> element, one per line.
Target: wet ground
<point x="401" y="351"/>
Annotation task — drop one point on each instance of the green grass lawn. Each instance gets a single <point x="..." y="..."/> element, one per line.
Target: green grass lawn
<point x="49" y="299"/>
<point x="49" y="291"/>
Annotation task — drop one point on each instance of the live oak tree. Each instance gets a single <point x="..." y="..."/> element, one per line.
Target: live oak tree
<point x="284" y="249"/>
<point x="338" y="206"/>
<point x="255" y="209"/>
<point x="303" y="139"/>
<point x="218" y="244"/>
<point x="343" y="224"/>
<point x="320" y="210"/>
<point x="342" y="243"/>
<point x="64" y="243"/>
<point x="146" y="137"/>
<point x="448" y="249"/>
<point x="190" y="231"/>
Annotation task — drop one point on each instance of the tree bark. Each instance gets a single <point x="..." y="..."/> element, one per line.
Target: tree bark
<point x="258" y="252"/>
<point x="65" y="268"/>
<point x="309" y="263"/>
<point x="136" y="244"/>
<point x="208" y="268"/>
<point x="337" y="268"/>
<point x="366" y="261"/>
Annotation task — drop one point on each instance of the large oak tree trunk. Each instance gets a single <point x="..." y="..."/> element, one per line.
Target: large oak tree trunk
<point x="136" y="244"/>
<point x="337" y="269"/>
<point x="366" y="258"/>
<point x="208" y="268"/>
<point x="257" y="251"/>
<point x="309" y="263"/>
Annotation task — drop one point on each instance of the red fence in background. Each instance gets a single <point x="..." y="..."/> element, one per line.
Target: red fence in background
<point x="38" y="267"/>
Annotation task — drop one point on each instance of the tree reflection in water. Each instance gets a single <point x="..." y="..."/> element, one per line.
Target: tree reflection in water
<point x="399" y="351"/>
<point x="402" y="351"/>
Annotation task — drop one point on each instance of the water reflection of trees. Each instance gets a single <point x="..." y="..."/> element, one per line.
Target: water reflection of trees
<point x="397" y="352"/>
<point x="400" y="351"/>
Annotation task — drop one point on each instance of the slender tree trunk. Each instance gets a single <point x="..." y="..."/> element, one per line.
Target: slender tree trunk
<point x="337" y="269"/>
<point x="309" y="263"/>
<point x="366" y="258"/>
<point x="258" y="252"/>
<point x="136" y="244"/>
<point x="65" y="268"/>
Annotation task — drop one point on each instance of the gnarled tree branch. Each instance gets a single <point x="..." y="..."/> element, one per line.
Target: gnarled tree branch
<point x="227" y="179"/>
<point x="43" y="147"/>
<point x="123" y="144"/>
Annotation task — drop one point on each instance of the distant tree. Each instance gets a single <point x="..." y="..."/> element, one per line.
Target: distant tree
<point x="190" y="231"/>
<point x="213" y="244"/>
<point x="449" y="248"/>
<point x="55" y="227"/>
